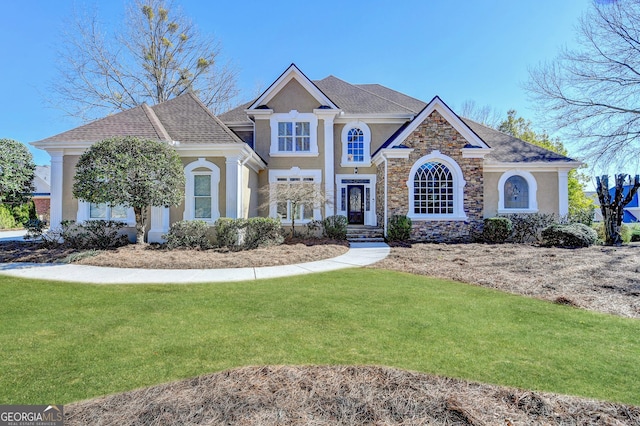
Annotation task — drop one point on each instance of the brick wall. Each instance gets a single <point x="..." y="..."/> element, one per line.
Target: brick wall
<point x="435" y="133"/>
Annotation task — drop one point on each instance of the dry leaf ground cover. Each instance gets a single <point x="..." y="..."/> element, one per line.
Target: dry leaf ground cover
<point x="341" y="396"/>
<point x="598" y="278"/>
<point x="156" y="257"/>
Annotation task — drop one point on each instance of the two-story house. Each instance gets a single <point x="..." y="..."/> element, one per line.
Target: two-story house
<point x="375" y="152"/>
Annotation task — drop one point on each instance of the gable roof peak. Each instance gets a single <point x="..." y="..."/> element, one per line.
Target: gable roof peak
<point x="291" y="73"/>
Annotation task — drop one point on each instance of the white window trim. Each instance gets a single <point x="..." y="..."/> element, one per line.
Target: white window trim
<point x="84" y="214"/>
<point x="296" y="172"/>
<point x="189" y="198"/>
<point x="458" y="188"/>
<point x="366" y="133"/>
<point x="294" y="116"/>
<point x="533" y="189"/>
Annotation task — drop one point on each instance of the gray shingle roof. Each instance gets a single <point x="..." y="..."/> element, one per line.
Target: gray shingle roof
<point x="508" y="149"/>
<point x="356" y="100"/>
<point x="184" y="119"/>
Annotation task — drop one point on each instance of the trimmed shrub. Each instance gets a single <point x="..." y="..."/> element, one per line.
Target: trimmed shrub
<point x="313" y="229"/>
<point x="93" y="234"/>
<point x="635" y="234"/>
<point x="7" y="221"/>
<point x="527" y="227"/>
<point x="496" y="230"/>
<point x="399" y="228"/>
<point x="571" y="235"/>
<point x="262" y="232"/>
<point x="230" y="233"/>
<point x="335" y="227"/>
<point x="189" y="234"/>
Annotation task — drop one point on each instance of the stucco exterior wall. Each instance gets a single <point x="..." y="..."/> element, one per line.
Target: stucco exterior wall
<point x="69" y="203"/>
<point x="547" y="195"/>
<point x="293" y="96"/>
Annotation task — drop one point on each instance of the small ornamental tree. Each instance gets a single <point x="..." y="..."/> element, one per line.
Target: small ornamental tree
<point x="130" y="172"/>
<point x="612" y="207"/>
<point x="293" y="197"/>
<point x="16" y="172"/>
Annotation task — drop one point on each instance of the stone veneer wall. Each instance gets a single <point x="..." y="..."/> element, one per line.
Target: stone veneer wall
<point x="435" y="133"/>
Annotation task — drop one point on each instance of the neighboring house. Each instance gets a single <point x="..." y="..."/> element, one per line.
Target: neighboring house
<point x="631" y="210"/>
<point x="42" y="191"/>
<point x="376" y="152"/>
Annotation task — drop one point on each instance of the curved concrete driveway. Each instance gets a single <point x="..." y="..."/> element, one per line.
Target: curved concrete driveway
<point x="359" y="254"/>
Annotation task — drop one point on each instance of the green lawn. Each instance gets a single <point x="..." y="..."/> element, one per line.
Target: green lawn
<point x="62" y="342"/>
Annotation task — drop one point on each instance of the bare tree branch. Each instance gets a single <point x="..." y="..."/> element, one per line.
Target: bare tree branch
<point x="593" y="92"/>
<point x="158" y="55"/>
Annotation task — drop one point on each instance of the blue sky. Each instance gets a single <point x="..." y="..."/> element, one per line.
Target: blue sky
<point x="467" y="50"/>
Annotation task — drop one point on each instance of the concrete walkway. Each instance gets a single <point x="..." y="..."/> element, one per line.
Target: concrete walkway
<point x="359" y="254"/>
<point x="12" y="235"/>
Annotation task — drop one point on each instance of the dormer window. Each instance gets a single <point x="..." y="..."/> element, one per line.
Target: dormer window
<point x="356" y="145"/>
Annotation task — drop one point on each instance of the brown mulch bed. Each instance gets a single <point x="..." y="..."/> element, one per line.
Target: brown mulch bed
<point x="598" y="278"/>
<point x="154" y="257"/>
<point x="340" y="396"/>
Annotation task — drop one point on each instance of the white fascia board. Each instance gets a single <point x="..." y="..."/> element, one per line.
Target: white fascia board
<point x="223" y="150"/>
<point x="375" y="118"/>
<point x="475" y="152"/>
<point x="240" y="125"/>
<point x="538" y="166"/>
<point x="437" y="104"/>
<point x="292" y="73"/>
<point x="259" y="114"/>
<point x="391" y="153"/>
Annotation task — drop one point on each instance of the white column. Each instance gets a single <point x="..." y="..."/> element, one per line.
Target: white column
<point x="55" y="213"/>
<point x="159" y="224"/>
<point x="563" y="192"/>
<point x="233" y="187"/>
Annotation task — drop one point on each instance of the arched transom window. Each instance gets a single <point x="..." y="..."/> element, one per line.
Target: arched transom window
<point x="356" y="145"/>
<point x="433" y="190"/>
<point x="516" y="193"/>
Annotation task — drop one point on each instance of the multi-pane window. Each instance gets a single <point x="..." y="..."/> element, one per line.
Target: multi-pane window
<point x="294" y="208"/>
<point x="102" y="211"/>
<point x="294" y="136"/>
<point x="516" y="193"/>
<point x="355" y="146"/>
<point x="433" y="190"/>
<point x="202" y="196"/>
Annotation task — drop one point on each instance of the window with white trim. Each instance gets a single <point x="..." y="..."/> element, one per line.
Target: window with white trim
<point x="102" y="211"/>
<point x="202" y="196"/>
<point x="436" y="189"/>
<point x="356" y="144"/>
<point x="294" y="134"/>
<point x="433" y="189"/>
<point x="202" y="178"/>
<point x="517" y="192"/>
<point x="287" y="181"/>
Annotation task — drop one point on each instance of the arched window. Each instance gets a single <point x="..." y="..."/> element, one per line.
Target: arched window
<point x="517" y="192"/>
<point x="201" y="191"/>
<point x="435" y="187"/>
<point x="356" y="145"/>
